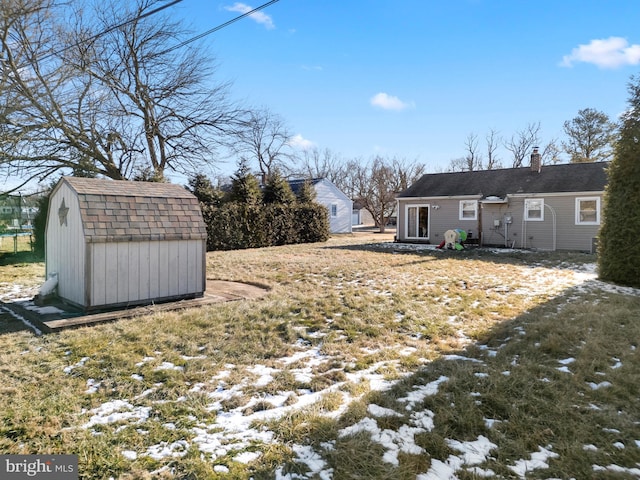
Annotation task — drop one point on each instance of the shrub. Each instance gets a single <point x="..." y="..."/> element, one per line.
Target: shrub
<point x="618" y="254"/>
<point x="235" y="225"/>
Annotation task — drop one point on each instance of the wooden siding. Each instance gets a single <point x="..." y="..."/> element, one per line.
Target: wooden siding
<point x="328" y="194"/>
<point x="128" y="273"/>
<point x="65" y="246"/>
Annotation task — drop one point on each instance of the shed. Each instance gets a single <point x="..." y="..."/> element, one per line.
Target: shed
<point x="114" y="243"/>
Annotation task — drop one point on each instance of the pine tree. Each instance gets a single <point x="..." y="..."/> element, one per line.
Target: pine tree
<point x="200" y="185"/>
<point x="618" y="252"/>
<point x="306" y="194"/>
<point x="277" y="190"/>
<point x="245" y="187"/>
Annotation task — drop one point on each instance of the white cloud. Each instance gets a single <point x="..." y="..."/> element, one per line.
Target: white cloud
<point x="389" y="102"/>
<point x="612" y="52"/>
<point x="300" y="143"/>
<point x="259" y="17"/>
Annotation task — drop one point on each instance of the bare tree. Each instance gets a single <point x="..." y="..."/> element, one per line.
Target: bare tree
<point x="522" y="142"/>
<point x="321" y="164"/>
<point x="101" y="91"/>
<point x="473" y="158"/>
<point x="377" y="183"/>
<point x="493" y="143"/>
<point x="551" y="152"/>
<point x="264" y="139"/>
<point x="40" y="125"/>
<point x="406" y="172"/>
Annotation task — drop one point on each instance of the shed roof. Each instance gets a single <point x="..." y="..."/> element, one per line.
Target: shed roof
<point x="563" y="178"/>
<point x="120" y="210"/>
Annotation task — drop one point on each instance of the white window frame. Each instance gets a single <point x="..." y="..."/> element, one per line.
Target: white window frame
<point x="462" y="209"/>
<point x="579" y="200"/>
<point x="334" y="210"/>
<point x="527" y="209"/>
<point x="418" y="206"/>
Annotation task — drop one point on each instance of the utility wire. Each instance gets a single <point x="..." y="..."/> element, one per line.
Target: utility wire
<point x="111" y="29"/>
<point x="219" y="27"/>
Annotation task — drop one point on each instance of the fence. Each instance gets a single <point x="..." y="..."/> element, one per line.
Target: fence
<point x="14" y="242"/>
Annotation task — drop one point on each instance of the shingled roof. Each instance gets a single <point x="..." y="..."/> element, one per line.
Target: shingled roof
<point x="564" y="178"/>
<point x="119" y="211"/>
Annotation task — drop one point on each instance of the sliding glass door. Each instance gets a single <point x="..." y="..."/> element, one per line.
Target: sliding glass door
<point x="417" y="221"/>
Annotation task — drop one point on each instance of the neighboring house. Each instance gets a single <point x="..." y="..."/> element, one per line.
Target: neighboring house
<point x="119" y="243"/>
<point x="361" y="216"/>
<point x="338" y="205"/>
<point x="555" y="207"/>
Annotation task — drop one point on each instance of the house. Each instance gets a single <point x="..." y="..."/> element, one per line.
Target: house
<point x="119" y="243"/>
<point x="338" y="205"/>
<point x="555" y="207"/>
<point x="361" y="216"/>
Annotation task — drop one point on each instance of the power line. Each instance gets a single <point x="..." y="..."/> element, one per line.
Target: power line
<point x="219" y="27"/>
<point x="112" y="28"/>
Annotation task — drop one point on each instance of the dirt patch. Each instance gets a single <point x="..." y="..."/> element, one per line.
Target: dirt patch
<point x="234" y="290"/>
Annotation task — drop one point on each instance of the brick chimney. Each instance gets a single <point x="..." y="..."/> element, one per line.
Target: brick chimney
<point x="536" y="161"/>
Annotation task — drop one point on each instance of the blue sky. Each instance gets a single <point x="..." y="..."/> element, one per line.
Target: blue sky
<point x="414" y="78"/>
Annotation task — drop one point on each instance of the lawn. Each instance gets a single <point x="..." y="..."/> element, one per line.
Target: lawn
<point x="367" y="360"/>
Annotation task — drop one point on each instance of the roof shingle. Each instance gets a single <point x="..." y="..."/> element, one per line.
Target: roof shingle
<point x="564" y="178"/>
<point x="120" y="211"/>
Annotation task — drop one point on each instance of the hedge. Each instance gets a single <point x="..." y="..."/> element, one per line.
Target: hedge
<point x="236" y="225"/>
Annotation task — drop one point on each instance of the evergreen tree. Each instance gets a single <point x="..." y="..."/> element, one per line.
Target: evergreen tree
<point x="306" y="194"/>
<point x="277" y="190"/>
<point x="618" y="253"/>
<point x="244" y="186"/>
<point x="40" y="221"/>
<point x="590" y="136"/>
<point x="205" y="192"/>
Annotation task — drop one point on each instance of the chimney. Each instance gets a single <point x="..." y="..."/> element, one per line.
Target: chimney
<point x="536" y="161"/>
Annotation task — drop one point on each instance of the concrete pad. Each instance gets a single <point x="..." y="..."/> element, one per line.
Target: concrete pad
<point x="58" y="316"/>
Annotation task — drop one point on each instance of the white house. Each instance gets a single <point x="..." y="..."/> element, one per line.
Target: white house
<point x="119" y="243"/>
<point x="339" y="206"/>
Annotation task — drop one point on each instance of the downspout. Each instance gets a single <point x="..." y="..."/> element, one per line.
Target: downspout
<point x="553" y="213"/>
<point x="506" y="232"/>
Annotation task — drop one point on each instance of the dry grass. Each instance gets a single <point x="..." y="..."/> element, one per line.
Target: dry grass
<point x="365" y="315"/>
<point x="13" y="244"/>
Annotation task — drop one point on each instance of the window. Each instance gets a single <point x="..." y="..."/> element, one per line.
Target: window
<point x="334" y="210"/>
<point x="468" y="210"/>
<point x="588" y="211"/>
<point x="417" y="221"/>
<point x="534" y="209"/>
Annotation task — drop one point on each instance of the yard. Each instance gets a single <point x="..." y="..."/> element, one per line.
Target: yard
<point x="366" y="359"/>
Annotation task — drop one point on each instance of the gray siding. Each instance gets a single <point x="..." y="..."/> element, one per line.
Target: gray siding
<point x="444" y="214"/>
<point x="126" y="273"/>
<point x="520" y="233"/>
<point x="65" y="246"/>
<point x="145" y="244"/>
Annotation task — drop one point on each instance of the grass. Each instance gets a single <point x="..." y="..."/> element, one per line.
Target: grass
<point x="489" y="332"/>
<point x="14" y="244"/>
